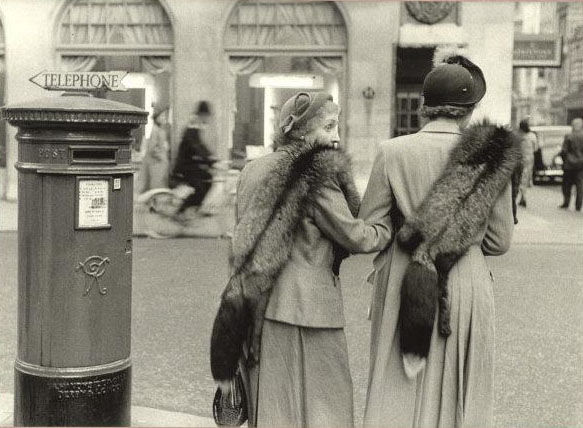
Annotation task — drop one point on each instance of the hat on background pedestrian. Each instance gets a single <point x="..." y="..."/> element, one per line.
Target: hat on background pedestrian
<point x="295" y="118"/>
<point x="203" y="107"/>
<point x="453" y="87"/>
<point x="158" y="110"/>
<point x="524" y="125"/>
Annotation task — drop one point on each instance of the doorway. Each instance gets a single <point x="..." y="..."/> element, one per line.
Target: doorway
<point x="413" y="64"/>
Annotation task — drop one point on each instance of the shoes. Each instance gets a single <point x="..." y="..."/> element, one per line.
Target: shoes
<point x="563" y="206"/>
<point x="522" y="203"/>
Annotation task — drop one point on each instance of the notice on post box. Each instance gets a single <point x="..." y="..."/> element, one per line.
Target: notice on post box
<point x="93" y="203"/>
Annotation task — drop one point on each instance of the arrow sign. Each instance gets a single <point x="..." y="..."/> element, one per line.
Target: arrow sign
<point x="80" y="81"/>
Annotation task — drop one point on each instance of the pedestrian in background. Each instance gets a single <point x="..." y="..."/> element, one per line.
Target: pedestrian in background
<point x="572" y="154"/>
<point x="515" y="181"/>
<point x="447" y="188"/>
<point x="529" y="145"/>
<point x="296" y="211"/>
<point x="156" y="160"/>
<point x="194" y="160"/>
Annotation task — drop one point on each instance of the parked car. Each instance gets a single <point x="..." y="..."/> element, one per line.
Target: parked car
<point x="548" y="164"/>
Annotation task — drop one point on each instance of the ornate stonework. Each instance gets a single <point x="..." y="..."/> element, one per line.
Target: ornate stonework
<point x="429" y="12"/>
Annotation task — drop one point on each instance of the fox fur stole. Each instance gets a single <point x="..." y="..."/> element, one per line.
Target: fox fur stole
<point x="262" y="244"/>
<point x="443" y="228"/>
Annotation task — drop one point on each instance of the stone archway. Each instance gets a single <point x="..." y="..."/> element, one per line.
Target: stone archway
<point x="132" y="35"/>
<point x="312" y="35"/>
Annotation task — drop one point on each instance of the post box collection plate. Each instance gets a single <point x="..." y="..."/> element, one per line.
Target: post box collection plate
<point x="93" y="202"/>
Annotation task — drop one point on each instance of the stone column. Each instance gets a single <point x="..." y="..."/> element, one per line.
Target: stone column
<point x="373" y="29"/>
<point x="198" y="65"/>
<point x="29" y="45"/>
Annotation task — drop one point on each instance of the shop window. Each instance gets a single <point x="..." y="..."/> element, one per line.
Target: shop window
<point x="278" y="23"/>
<point x="282" y="40"/>
<point x="114" y="23"/>
<point x="130" y="35"/>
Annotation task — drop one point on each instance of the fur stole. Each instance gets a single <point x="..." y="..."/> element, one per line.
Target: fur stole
<point x="445" y="225"/>
<point x="262" y="244"/>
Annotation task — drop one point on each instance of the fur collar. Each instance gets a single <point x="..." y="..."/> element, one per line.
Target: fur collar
<point x="262" y="244"/>
<point x="443" y="227"/>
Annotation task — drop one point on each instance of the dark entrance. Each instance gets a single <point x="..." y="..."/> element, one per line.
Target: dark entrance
<point x="413" y="64"/>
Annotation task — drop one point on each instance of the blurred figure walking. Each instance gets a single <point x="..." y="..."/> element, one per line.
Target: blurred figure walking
<point x="155" y="164"/>
<point x="529" y="145"/>
<point x="572" y="154"/>
<point x="194" y="159"/>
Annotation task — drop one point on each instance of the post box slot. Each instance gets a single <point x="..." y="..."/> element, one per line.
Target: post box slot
<point x="106" y="156"/>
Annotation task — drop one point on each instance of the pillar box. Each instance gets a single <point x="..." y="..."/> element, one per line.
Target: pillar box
<point x="75" y="197"/>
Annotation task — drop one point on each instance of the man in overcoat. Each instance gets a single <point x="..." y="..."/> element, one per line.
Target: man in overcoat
<point x="572" y="154"/>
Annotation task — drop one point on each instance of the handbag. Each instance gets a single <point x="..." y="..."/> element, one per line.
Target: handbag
<point x="231" y="409"/>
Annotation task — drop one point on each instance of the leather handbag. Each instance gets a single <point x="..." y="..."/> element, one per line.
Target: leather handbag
<point x="231" y="409"/>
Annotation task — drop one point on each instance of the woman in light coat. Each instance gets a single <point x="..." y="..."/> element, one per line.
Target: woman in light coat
<point x="529" y="145"/>
<point x="447" y="190"/>
<point x="156" y="159"/>
<point x="296" y="212"/>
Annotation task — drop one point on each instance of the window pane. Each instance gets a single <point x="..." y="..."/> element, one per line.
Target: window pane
<point x="414" y="121"/>
<point x="414" y="104"/>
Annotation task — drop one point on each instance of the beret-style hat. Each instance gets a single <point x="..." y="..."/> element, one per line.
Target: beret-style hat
<point x="301" y="107"/>
<point x="456" y="81"/>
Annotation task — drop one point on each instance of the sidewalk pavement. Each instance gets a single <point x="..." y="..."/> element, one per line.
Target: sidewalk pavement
<point x="141" y="416"/>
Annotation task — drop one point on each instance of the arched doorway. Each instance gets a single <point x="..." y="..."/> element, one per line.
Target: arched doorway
<point x="129" y="35"/>
<point x="273" y="49"/>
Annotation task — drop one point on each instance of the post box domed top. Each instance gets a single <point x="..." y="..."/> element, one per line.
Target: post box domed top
<point x="71" y="107"/>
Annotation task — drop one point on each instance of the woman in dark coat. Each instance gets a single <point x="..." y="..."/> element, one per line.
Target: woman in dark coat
<point x="296" y="212"/>
<point x="194" y="159"/>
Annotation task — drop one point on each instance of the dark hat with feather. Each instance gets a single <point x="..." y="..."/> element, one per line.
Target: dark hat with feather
<point x="454" y="81"/>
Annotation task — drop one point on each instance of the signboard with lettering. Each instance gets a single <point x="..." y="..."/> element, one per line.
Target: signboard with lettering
<point x="537" y="50"/>
<point x="80" y="81"/>
<point x="92" y="203"/>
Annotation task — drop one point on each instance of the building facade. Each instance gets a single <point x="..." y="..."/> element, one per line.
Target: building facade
<point x="245" y="57"/>
<point x="550" y="96"/>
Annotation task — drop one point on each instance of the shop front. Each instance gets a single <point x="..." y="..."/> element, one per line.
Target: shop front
<point x="246" y="57"/>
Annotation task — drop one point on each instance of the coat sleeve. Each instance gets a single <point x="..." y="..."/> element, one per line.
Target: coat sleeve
<point x="565" y="146"/>
<point x="333" y="217"/>
<point x="378" y="198"/>
<point x="500" y="226"/>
